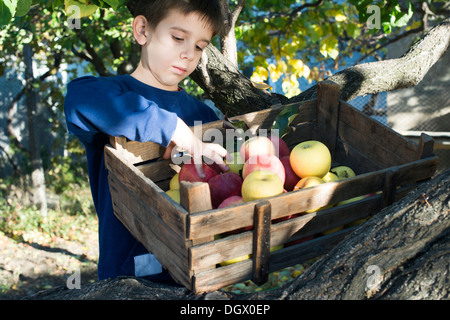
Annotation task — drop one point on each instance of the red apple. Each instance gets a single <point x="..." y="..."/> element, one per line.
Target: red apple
<point x="231" y="201"/>
<point x="291" y="177"/>
<point x="223" y="186"/>
<point x="256" y="145"/>
<point x="294" y="242"/>
<point x="281" y="147"/>
<point x="188" y="172"/>
<point x="267" y="162"/>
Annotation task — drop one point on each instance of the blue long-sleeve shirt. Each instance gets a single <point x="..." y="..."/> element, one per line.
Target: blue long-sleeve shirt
<point x="96" y="107"/>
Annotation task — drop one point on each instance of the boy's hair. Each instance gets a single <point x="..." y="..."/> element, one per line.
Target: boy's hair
<point x="156" y="10"/>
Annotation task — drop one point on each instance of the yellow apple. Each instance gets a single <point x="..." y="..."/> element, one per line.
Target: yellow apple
<point x="261" y="184"/>
<point x="276" y="248"/>
<point x="343" y="172"/>
<point x="174" y="194"/>
<point x="330" y="176"/>
<point x="310" y="158"/>
<point x="238" y="259"/>
<point x="333" y="230"/>
<point x="308" y="182"/>
<point x="174" y="182"/>
<point x="236" y="164"/>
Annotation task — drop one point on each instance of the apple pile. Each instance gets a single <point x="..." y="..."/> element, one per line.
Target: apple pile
<point x="264" y="167"/>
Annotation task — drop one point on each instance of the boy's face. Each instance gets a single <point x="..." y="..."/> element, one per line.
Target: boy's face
<point x="173" y="50"/>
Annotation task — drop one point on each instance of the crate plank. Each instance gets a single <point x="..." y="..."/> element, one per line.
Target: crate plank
<point x="328" y="106"/>
<point x="288" y="230"/>
<point x="153" y="235"/>
<point x="388" y="148"/>
<point x="167" y="210"/>
<point x="261" y="242"/>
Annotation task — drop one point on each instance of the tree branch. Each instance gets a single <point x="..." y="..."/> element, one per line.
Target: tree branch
<point x="234" y="93"/>
<point x="404" y="72"/>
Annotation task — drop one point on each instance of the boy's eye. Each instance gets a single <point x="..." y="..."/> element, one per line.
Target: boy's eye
<point x="199" y="48"/>
<point x="177" y="38"/>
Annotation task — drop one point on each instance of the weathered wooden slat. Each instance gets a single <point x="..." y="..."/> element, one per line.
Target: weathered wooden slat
<point x="232" y="218"/>
<point x="153" y="234"/>
<point x="288" y="230"/>
<point x="382" y="144"/>
<point x="328" y="105"/>
<point x="261" y="243"/>
<point x="143" y="188"/>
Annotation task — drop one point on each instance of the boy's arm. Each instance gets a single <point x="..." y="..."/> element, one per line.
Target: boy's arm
<point x="95" y="106"/>
<point x="184" y="138"/>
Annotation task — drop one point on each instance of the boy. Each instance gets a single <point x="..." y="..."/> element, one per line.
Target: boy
<point x="147" y="105"/>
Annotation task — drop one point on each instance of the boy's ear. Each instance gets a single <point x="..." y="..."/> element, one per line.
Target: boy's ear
<point x="140" y="30"/>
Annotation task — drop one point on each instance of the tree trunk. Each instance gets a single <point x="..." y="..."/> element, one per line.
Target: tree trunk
<point x="234" y="94"/>
<point x="403" y="252"/>
<point x="37" y="169"/>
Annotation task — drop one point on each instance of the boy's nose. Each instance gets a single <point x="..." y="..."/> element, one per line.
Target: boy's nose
<point x="187" y="53"/>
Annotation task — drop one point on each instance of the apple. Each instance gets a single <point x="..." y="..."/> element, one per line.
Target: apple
<point x="256" y="145"/>
<point x="332" y="230"/>
<point x="223" y="186"/>
<point x="310" y="158"/>
<point x="174" y="183"/>
<point x="291" y="177"/>
<point x="267" y="162"/>
<point x="330" y="176"/>
<point x="236" y="164"/>
<point x="188" y="172"/>
<point x="301" y="240"/>
<point x="174" y="194"/>
<point x="238" y="259"/>
<point x="281" y="147"/>
<point x="261" y="184"/>
<point x="309" y="182"/>
<point x="343" y="172"/>
<point x="231" y="201"/>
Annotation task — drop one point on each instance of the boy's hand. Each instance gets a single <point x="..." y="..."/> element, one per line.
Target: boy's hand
<point x="185" y="139"/>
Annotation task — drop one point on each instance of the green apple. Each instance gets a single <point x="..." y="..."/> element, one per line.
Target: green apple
<point x="343" y="172"/>
<point x="261" y="184"/>
<point x="310" y="158"/>
<point x="174" y="194"/>
<point x="174" y="182"/>
<point x="236" y="164"/>
<point x="330" y="176"/>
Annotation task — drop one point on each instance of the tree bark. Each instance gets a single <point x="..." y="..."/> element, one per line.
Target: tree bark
<point x="403" y="252"/>
<point x="234" y="94"/>
<point x="37" y="169"/>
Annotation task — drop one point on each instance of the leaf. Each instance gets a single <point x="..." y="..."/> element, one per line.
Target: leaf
<point x="7" y="10"/>
<point x="261" y="85"/>
<point x="85" y="9"/>
<point x="23" y="6"/>
<point x="284" y="118"/>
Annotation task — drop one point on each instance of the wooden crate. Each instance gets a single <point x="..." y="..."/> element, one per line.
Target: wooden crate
<point x="182" y="236"/>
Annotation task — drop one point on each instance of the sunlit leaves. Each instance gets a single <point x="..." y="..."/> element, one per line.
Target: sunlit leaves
<point x="81" y="8"/>
<point x="7" y="10"/>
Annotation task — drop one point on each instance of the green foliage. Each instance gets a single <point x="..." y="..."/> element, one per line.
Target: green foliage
<point x="71" y="215"/>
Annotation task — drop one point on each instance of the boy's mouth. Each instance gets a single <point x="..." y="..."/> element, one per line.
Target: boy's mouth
<point x="179" y="70"/>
